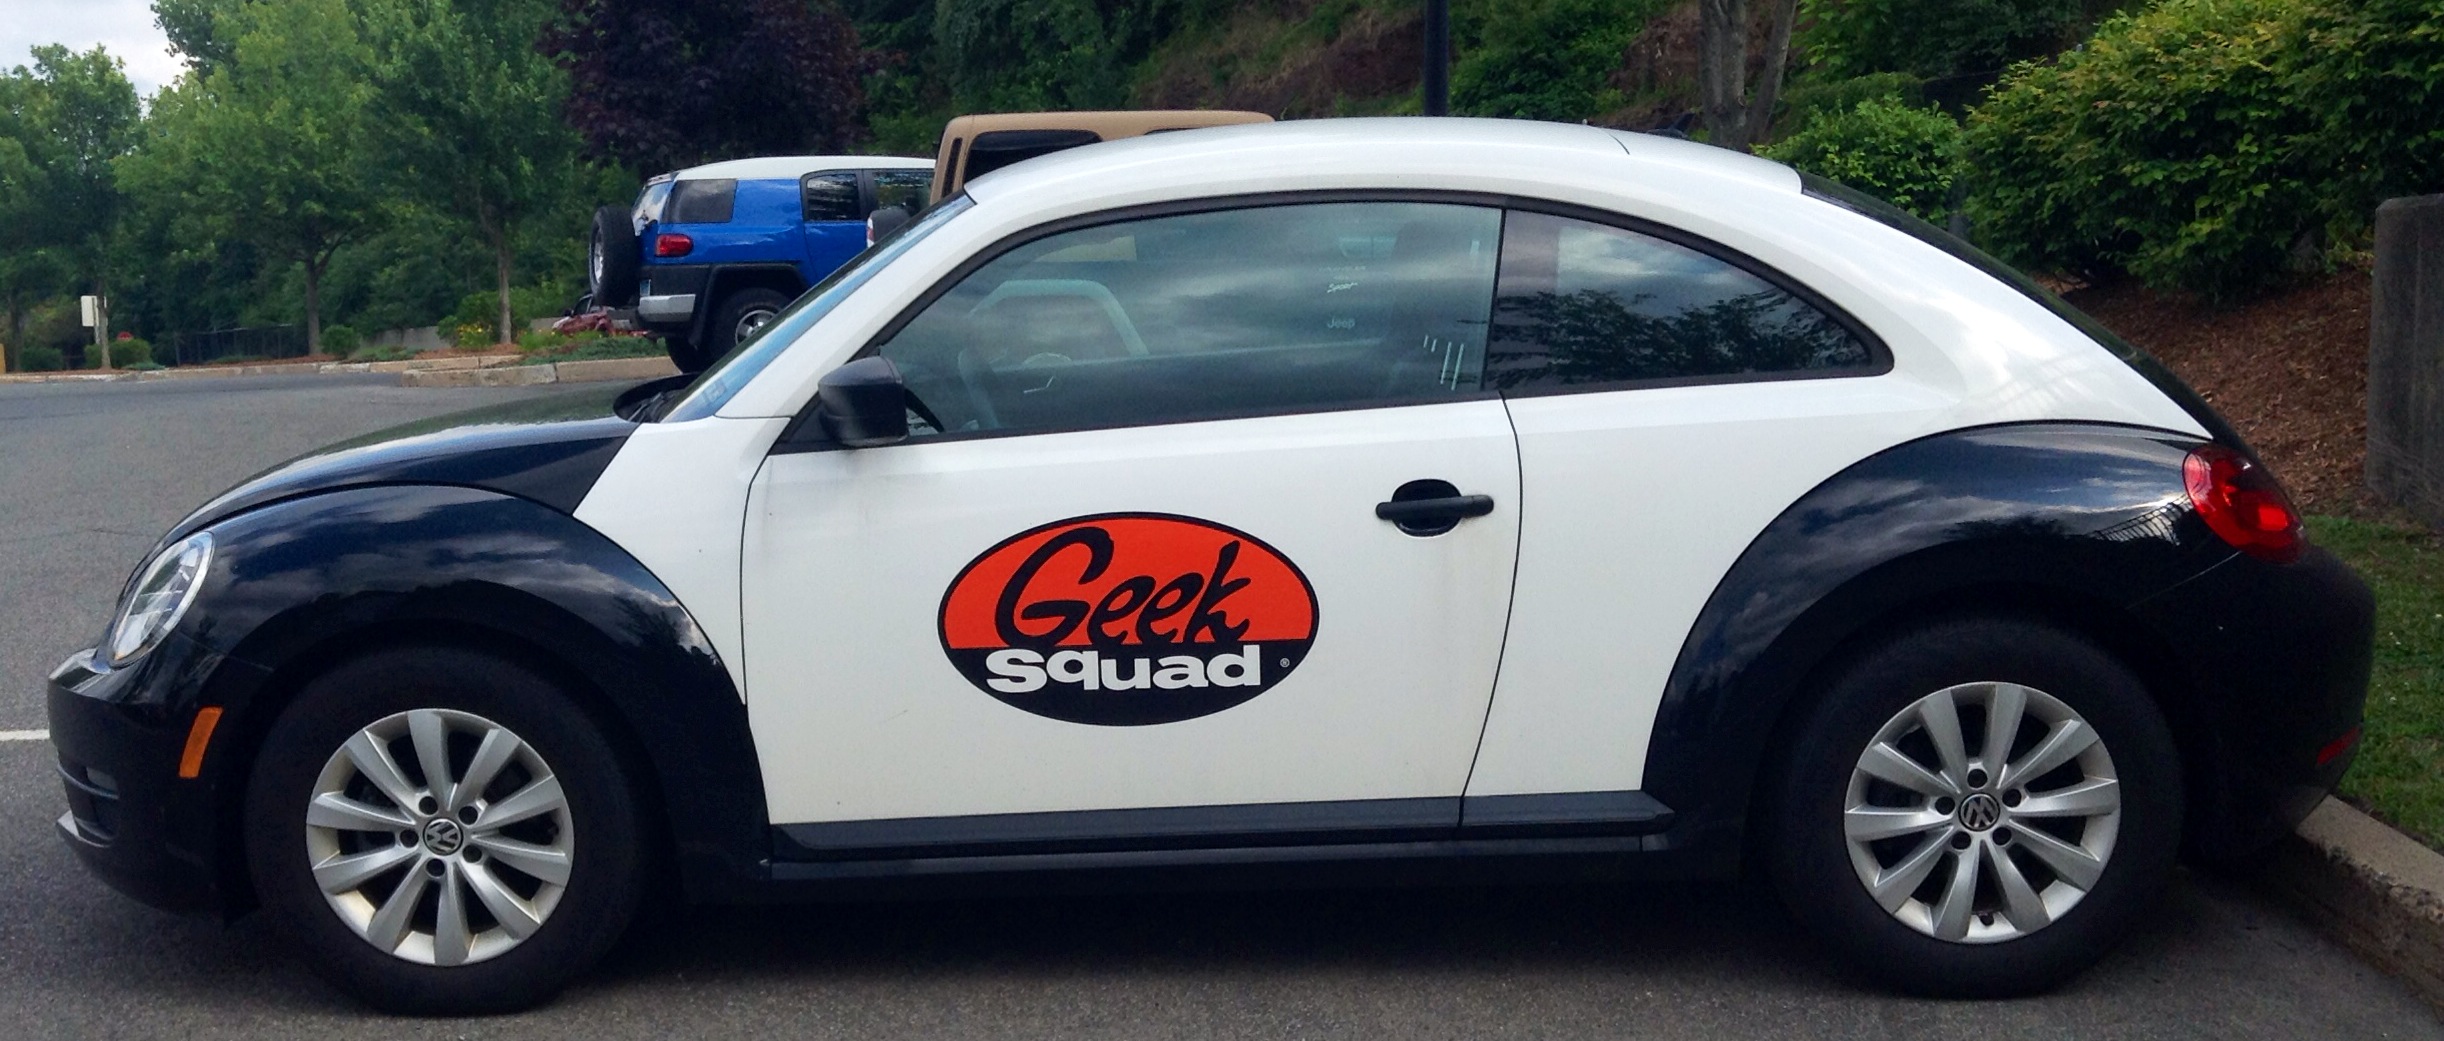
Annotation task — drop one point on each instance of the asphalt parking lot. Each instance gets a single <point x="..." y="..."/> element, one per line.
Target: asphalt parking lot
<point x="90" y="474"/>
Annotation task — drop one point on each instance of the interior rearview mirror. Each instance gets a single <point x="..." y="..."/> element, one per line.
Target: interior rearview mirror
<point x="863" y="403"/>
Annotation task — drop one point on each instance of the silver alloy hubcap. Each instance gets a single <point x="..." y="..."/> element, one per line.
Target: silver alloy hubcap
<point x="440" y="837"/>
<point x="749" y="322"/>
<point x="1983" y="844"/>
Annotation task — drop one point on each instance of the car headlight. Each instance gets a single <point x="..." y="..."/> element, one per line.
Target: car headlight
<point x="161" y="594"/>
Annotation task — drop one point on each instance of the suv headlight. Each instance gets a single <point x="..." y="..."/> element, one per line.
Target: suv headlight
<point x="160" y="596"/>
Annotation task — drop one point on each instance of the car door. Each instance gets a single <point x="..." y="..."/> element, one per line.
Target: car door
<point x="1676" y="397"/>
<point x="1132" y="558"/>
<point x="834" y="212"/>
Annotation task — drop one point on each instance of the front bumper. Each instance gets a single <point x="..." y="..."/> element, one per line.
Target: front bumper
<point x="130" y="818"/>
<point x="2277" y="660"/>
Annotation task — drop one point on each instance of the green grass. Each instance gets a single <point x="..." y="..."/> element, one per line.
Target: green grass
<point x="597" y="349"/>
<point x="2399" y="775"/>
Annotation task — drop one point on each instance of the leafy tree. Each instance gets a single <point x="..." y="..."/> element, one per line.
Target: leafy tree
<point x="1736" y="110"/>
<point x="195" y="30"/>
<point x="66" y="121"/>
<point x="1546" y="59"/>
<point x="659" y="84"/>
<point x="1936" y="39"/>
<point x="470" y="116"/>
<point x="274" y="148"/>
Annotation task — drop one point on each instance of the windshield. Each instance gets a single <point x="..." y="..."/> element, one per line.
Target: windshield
<point x="2131" y="354"/>
<point x="723" y="381"/>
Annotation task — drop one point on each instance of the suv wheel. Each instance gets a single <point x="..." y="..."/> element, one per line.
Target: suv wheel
<point x="742" y="313"/>
<point x="443" y="832"/>
<point x="1979" y="807"/>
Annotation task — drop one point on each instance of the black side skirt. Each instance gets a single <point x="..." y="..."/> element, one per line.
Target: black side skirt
<point x="1359" y="830"/>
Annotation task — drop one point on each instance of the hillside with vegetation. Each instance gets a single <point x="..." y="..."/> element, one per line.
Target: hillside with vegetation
<point x="342" y="166"/>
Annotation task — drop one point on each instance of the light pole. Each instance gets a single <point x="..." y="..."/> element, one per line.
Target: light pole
<point x="1438" y="58"/>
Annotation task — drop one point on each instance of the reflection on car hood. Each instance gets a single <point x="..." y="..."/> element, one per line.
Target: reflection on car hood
<point x="549" y="450"/>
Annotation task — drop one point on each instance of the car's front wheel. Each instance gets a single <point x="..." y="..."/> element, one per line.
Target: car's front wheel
<point x="1978" y="807"/>
<point x="442" y="831"/>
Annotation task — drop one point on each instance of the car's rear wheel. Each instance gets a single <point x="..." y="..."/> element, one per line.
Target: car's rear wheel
<point x="611" y="258"/>
<point x="1979" y="807"/>
<point x="742" y="314"/>
<point x="441" y="831"/>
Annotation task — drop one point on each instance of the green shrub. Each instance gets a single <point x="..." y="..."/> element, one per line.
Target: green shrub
<point x="132" y="352"/>
<point x="540" y="340"/>
<point x="147" y="365"/>
<point x="1906" y="156"/>
<point x="41" y="359"/>
<point x="390" y="352"/>
<point x="1933" y="39"/>
<point x="341" y="340"/>
<point x="1546" y="59"/>
<point x="477" y="309"/>
<point x="165" y="353"/>
<point x="2201" y="144"/>
<point x="1813" y="97"/>
<point x="472" y="335"/>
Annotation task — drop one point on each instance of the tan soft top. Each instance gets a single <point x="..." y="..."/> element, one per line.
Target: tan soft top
<point x="1029" y="134"/>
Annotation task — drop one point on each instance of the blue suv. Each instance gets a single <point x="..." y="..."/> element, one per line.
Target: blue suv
<point x="711" y="253"/>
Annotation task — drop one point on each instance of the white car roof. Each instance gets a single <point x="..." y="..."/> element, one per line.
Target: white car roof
<point x="1436" y="152"/>
<point x="793" y="166"/>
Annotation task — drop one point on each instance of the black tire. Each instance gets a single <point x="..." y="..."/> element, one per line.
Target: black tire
<point x="1807" y="851"/>
<point x="684" y="354"/>
<point x="606" y="864"/>
<point x="732" y="321"/>
<point x="611" y="259"/>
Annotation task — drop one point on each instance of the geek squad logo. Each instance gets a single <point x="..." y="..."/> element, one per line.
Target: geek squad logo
<point x="1128" y="619"/>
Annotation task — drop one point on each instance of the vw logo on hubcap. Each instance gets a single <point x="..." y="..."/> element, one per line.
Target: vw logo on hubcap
<point x="1979" y="812"/>
<point x="442" y="837"/>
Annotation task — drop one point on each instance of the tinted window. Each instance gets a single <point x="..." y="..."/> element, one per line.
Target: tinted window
<point x="905" y="189"/>
<point x="701" y="202"/>
<point x="1196" y="316"/>
<point x="830" y="196"/>
<point x="1584" y="303"/>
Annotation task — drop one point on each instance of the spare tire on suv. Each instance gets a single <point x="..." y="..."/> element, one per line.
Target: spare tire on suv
<point x="611" y="258"/>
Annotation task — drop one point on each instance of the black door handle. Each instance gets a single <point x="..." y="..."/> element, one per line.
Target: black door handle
<point x="1449" y="508"/>
<point x="1431" y="507"/>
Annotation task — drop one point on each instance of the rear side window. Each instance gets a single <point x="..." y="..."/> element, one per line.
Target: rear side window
<point x="1583" y="305"/>
<point x="702" y="202"/>
<point x="830" y="196"/>
<point x="995" y="149"/>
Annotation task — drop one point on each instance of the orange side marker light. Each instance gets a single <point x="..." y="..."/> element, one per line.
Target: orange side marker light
<point x="191" y="762"/>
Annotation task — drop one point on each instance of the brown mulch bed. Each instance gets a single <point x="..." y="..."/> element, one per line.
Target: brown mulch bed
<point x="2289" y="370"/>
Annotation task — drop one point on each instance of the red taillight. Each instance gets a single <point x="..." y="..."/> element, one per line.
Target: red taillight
<point x="2334" y="748"/>
<point x="2242" y="504"/>
<point x="672" y="244"/>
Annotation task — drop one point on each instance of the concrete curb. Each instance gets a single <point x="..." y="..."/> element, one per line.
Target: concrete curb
<point x="603" y="370"/>
<point x="205" y="372"/>
<point x="2375" y="889"/>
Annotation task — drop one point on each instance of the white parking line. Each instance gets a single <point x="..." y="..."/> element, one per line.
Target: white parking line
<point x="25" y="735"/>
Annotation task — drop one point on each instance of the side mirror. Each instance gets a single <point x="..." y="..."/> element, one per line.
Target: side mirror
<point x="863" y="404"/>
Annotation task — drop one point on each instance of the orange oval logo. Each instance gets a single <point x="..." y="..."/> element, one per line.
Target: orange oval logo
<point x="1128" y="619"/>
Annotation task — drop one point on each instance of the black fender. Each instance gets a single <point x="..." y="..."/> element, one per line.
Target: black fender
<point x="299" y="584"/>
<point x="2078" y="522"/>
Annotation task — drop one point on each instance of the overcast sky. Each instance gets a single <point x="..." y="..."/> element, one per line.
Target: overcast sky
<point x="124" y="26"/>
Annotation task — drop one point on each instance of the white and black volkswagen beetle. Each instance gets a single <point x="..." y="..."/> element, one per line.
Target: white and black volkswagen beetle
<point x="1323" y="496"/>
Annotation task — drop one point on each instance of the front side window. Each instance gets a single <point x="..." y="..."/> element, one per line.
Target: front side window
<point x="1585" y="304"/>
<point x="830" y="196"/>
<point x="1259" y="310"/>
